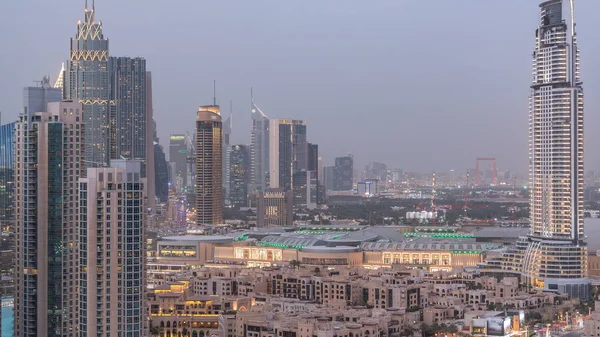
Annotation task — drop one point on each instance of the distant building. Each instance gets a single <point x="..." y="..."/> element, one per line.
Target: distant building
<point x="288" y="151"/>
<point x="226" y="157"/>
<point x="36" y="99"/>
<point x="376" y="170"/>
<point x="119" y="249"/>
<point x="46" y="218"/>
<point x="275" y="208"/>
<point x="239" y="175"/>
<point x="305" y="189"/>
<point x="209" y="166"/>
<point x="179" y="150"/>
<point x="329" y="177"/>
<point x="313" y="165"/>
<point x="259" y="149"/>
<point x="368" y="188"/>
<point x="7" y="138"/>
<point x="343" y="173"/>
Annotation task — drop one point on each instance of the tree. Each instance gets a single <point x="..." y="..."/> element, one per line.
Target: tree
<point x="155" y="331"/>
<point x="295" y="264"/>
<point x="185" y="332"/>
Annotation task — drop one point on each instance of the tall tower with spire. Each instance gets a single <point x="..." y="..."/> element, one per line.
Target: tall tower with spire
<point x="87" y="79"/>
<point x="556" y="255"/>
<point x="259" y="147"/>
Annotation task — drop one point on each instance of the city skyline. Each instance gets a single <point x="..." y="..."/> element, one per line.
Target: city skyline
<point x="365" y="85"/>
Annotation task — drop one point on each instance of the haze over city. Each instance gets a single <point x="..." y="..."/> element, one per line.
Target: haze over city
<point x="420" y="85"/>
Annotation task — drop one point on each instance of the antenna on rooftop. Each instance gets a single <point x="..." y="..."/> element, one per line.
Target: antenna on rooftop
<point x="214" y="92"/>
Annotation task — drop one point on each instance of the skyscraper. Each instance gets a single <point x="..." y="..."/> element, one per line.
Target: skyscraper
<point x="209" y="166"/>
<point x="87" y="78"/>
<point x="7" y="137"/>
<point x="178" y="154"/>
<point x="49" y="160"/>
<point x="343" y="174"/>
<point x="128" y="115"/>
<point x="226" y="157"/>
<point x="259" y="149"/>
<point x="288" y="151"/>
<point x="555" y="258"/>
<point x="112" y="250"/>
<point x="239" y="175"/>
<point x="161" y="168"/>
<point x="313" y="165"/>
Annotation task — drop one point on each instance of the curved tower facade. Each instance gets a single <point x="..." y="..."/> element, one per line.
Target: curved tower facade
<point x="209" y="166"/>
<point x="555" y="252"/>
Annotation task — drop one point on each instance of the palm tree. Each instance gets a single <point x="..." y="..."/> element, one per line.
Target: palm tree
<point x="185" y="332"/>
<point x="295" y="264"/>
<point x="155" y="331"/>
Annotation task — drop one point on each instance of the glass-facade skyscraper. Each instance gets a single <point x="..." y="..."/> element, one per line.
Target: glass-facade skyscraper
<point x="239" y="175"/>
<point x="343" y="174"/>
<point x="288" y="151"/>
<point x="7" y="137"/>
<point x="87" y="78"/>
<point x="259" y="149"/>
<point x="128" y="116"/>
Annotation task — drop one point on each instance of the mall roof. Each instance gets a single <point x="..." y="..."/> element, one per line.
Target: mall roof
<point x="402" y="246"/>
<point x="501" y="232"/>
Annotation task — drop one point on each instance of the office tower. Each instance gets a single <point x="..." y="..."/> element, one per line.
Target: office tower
<point x="209" y="164"/>
<point x="376" y="170"/>
<point x="329" y="177"/>
<point x="127" y="119"/>
<point x="343" y="173"/>
<point x="259" y="149"/>
<point x="288" y="151"/>
<point x="49" y="160"/>
<point x="226" y="156"/>
<point x="36" y="99"/>
<point x="556" y="255"/>
<point x="87" y="79"/>
<point x="7" y="137"/>
<point x="112" y="250"/>
<point x="275" y="208"/>
<point x="239" y="175"/>
<point x="305" y="189"/>
<point x="178" y="154"/>
<point x="149" y="147"/>
<point x="161" y="168"/>
<point x="313" y="165"/>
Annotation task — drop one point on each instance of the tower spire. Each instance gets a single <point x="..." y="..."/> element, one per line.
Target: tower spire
<point x="230" y="113"/>
<point x="86" y="3"/>
<point x="214" y="92"/>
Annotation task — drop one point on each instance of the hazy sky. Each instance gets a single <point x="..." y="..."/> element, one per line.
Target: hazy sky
<point x="419" y="85"/>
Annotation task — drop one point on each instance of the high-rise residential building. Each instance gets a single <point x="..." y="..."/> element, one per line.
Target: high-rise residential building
<point x="288" y="151"/>
<point x="259" y="149"/>
<point x="209" y="165"/>
<point x="226" y="157"/>
<point x="7" y="137"/>
<point x="112" y="249"/>
<point x="87" y="79"/>
<point x="343" y="173"/>
<point x="150" y="173"/>
<point x="49" y="160"/>
<point x="275" y="208"/>
<point x="239" y="175"/>
<point x="376" y="170"/>
<point x="556" y="255"/>
<point x="313" y="165"/>
<point x="553" y="257"/>
<point x="179" y="150"/>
